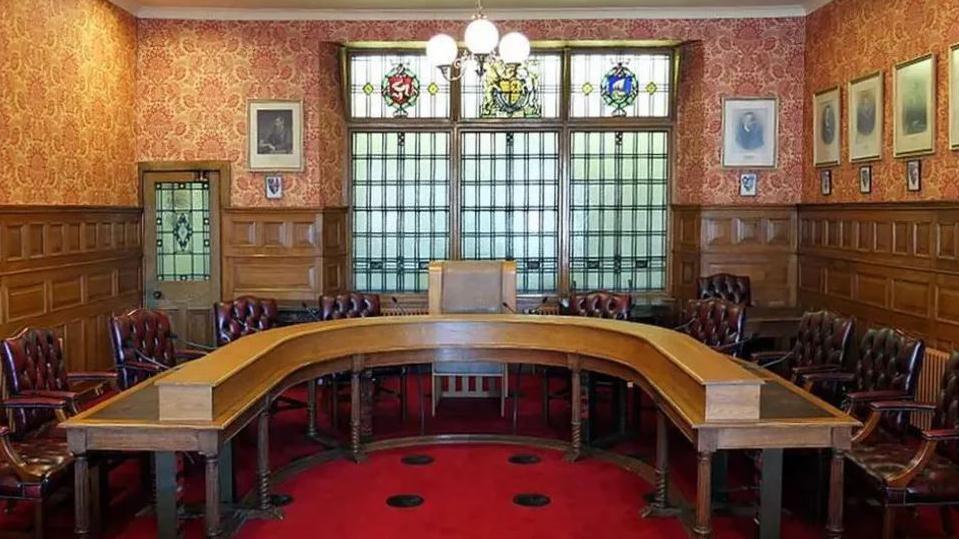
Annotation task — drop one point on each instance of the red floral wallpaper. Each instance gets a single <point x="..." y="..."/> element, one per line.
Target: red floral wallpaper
<point x="195" y="77"/>
<point x="850" y="38"/>
<point x="67" y="72"/>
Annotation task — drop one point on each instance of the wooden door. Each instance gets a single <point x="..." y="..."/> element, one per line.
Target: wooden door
<point x="181" y="255"/>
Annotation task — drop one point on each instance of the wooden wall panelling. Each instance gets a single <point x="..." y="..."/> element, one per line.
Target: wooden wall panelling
<point x="291" y="254"/>
<point x="69" y="268"/>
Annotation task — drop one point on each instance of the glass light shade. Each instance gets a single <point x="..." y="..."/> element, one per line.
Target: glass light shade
<point x="514" y="48"/>
<point x="441" y="50"/>
<point x="481" y="36"/>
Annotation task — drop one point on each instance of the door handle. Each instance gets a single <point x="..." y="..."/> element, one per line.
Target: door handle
<point x="157" y="294"/>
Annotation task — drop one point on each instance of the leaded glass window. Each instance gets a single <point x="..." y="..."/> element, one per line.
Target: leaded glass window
<point x="604" y="85"/>
<point x="618" y="204"/>
<point x="396" y="86"/>
<point x="529" y="91"/>
<point x="510" y="203"/>
<point x="400" y="208"/>
<point x="183" y="231"/>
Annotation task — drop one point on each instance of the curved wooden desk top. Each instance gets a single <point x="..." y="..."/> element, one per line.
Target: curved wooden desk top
<point x="696" y="386"/>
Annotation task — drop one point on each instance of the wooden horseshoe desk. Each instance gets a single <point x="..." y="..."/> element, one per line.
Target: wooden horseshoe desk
<point x="716" y="402"/>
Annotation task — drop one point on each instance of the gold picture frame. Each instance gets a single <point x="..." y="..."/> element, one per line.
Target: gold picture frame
<point x="827" y="126"/>
<point x="954" y="97"/>
<point x="865" y="105"/>
<point x="914" y="107"/>
<point x="750" y="129"/>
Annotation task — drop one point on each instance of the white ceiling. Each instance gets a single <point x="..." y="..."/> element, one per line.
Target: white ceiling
<point x="459" y="9"/>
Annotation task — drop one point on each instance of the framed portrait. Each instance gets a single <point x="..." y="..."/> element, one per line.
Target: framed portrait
<point x="865" y="101"/>
<point x="826" y="130"/>
<point x="750" y="132"/>
<point x="825" y="181"/>
<point x="913" y="175"/>
<point x="914" y="107"/>
<point x="747" y="184"/>
<point x="275" y="135"/>
<point x="273" y="186"/>
<point x="865" y="180"/>
<point x="954" y="97"/>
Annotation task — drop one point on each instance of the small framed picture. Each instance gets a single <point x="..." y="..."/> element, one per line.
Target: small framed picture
<point x="865" y="117"/>
<point x="825" y="181"/>
<point x="913" y="175"/>
<point x="274" y="187"/>
<point x="750" y="132"/>
<point x="865" y="180"/>
<point x="275" y="135"/>
<point x="915" y="107"/>
<point x="954" y="97"/>
<point x="747" y="184"/>
<point x="826" y="131"/>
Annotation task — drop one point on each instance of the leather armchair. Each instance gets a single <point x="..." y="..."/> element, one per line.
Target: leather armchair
<point x="598" y="304"/>
<point x="717" y="323"/>
<point x="32" y="365"/>
<point x="910" y="474"/>
<point x="351" y="305"/>
<point x="732" y="288"/>
<point x="243" y="316"/>
<point x="887" y="368"/>
<point x="143" y="345"/>
<point x="822" y="343"/>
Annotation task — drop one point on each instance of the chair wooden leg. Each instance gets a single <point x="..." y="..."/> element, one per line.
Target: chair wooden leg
<point x="889" y="523"/>
<point x="945" y="514"/>
<point x="38" y="519"/>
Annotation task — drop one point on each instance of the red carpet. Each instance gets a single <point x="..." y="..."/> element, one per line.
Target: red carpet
<point x="468" y="489"/>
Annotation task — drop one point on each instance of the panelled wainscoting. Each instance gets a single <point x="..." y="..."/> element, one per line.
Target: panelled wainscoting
<point x="291" y="254"/>
<point x="70" y="268"/>
<point x="886" y="264"/>
<point x="758" y="241"/>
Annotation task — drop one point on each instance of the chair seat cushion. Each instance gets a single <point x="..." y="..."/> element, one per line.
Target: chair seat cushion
<point x="47" y="458"/>
<point x="938" y="481"/>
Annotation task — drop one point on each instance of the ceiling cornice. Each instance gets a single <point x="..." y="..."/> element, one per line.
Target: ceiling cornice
<point x="728" y="12"/>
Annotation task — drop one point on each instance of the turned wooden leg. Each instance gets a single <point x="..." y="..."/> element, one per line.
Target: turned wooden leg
<point x="403" y="394"/>
<point x="263" y="463"/>
<point x="212" y="480"/>
<point x="834" y="529"/>
<point x="367" y="395"/>
<point x="355" y="417"/>
<point x="576" y="415"/>
<point x="702" y="529"/>
<point x="311" y="409"/>
<point x="659" y="504"/>
<point x="165" y="494"/>
<point x="81" y="500"/>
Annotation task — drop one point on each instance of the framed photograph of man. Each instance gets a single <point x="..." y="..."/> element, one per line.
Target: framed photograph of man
<point x="747" y="184"/>
<point x="914" y="107"/>
<point x="825" y="181"/>
<point x="865" y="179"/>
<point x="275" y="135"/>
<point x="954" y="97"/>
<point x="826" y="131"/>
<point x="865" y="100"/>
<point x="750" y="132"/>
<point x="913" y="175"/>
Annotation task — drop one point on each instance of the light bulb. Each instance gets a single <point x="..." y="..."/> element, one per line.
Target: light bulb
<point x="441" y="50"/>
<point x="481" y="36"/>
<point x="514" y="48"/>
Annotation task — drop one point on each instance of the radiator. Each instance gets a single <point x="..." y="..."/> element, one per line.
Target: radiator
<point x="933" y="366"/>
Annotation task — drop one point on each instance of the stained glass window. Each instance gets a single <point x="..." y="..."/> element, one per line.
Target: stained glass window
<point x="618" y="203"/>
<point x="397" y="86"/>
<point x="183" y="231"/>
<point x="400" y="208"/>
<point x="630" y="85"/>
<point x="530" y="91"/>
<point x="510" y="203"/>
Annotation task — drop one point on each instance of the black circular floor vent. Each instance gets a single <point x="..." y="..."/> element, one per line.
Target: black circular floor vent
<point x="524" y="458"/>
<point x="404" y="500"/>
<point x="531" y="500"/>
<point x="417" y="460"/>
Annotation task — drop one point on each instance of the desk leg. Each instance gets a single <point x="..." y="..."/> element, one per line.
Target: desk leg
<point x="771" y="494"/>
<point x="212" y="480"/>
<point x="355" y="417"/>
<point x="703" y="526"/>
<point x="367" y="399"/>
<point x="164" y="463"/>
<point x="266" y="504"/>
<point x="834" y="529"/>
<point x="311" y="410"/>
<point x="81" y="481"/>
<point x="659" y="505"/>
<point x="576" y="415"/>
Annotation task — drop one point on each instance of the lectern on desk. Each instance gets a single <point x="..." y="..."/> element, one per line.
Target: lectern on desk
<point x="715" y="402"/>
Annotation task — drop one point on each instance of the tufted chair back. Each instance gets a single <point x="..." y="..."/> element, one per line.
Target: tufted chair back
<point x="947" y="406"/>
<point x="351" y="305"/>
<point x="144" y="330"/>
<point x="889" y="360"/>
<point x="733" y="288"/>
<point x="823" y="339"/>
<point x="242" y="316"/>
<point x="715" y="322"/>
<point x="599" y="305"/>
<point x="32" y="360"/>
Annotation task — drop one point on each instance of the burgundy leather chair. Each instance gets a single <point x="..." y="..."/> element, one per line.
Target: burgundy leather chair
<point x="598" y="304"/>
<point x="905" y="474"/>
<point x="350" y="305"/>
<point x="715" y="322"/>
<point x="822" y="343"/>
<point x="143" y="345"/>
<point x="887" y="368"/>
<point x="242" y="316"/>
<point x="733" y="288"/>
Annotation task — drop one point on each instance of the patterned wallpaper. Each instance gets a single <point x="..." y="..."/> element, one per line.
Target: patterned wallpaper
<point x="850" y="38"/>
<point x="67" y="72"/>
<point x="195" y="77"/>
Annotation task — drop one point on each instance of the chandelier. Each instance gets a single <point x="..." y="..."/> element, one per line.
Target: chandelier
<point x="481" y="39"/>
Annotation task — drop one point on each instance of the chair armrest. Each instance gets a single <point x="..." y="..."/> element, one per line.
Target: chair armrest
<point x="9" y="454"/>
<point x="140" y="366"/>
<point x="70" y="396"/>
<point x="92" y="376"/>
<point x="188" y="354"/>
<point x="60" y="407"/>
<point x="861" y="397"/>
<point x="810" y="369"/>
<point x="763" y="357"/>
<point x="810" y="380"/>
<point x="941" y="435"/>
<point x="882" y="407"/>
